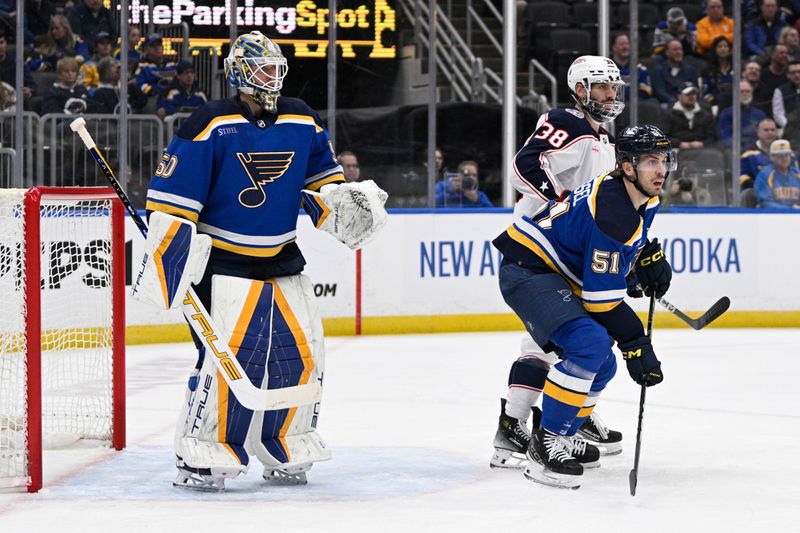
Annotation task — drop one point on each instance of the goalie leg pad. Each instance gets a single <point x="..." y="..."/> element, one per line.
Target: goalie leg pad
<point x="275" y="330"/>
<point x="202" y="445"/>
<point x="175" y="255"/>
<point x="287" y="438"/>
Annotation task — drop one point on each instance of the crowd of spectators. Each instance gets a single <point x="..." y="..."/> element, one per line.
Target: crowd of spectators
<point x="688" y="76"/>
<point x="72" y="64"/>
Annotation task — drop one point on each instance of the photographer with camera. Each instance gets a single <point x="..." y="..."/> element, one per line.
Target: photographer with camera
<point x="461" y="189"/>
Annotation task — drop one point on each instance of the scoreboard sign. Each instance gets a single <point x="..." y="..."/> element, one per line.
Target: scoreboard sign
<point x="367" y="25"/>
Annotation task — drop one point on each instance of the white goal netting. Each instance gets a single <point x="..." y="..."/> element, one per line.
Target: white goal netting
<point x="75" y="294"/>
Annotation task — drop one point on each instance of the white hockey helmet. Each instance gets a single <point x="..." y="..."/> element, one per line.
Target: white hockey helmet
<point x="256" y="67"/>
<point x="587" y="70"/>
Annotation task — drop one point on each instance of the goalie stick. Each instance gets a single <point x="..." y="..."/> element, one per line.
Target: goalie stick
<point x="200" y="320"/>
<point x="713" y="313"/>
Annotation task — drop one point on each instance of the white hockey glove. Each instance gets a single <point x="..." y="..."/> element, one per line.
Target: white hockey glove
<point x="174" y="256"/>
<point x="356" y="212"/>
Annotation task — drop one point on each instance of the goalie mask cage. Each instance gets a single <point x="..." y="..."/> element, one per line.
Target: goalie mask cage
<point x="62" y="324"/>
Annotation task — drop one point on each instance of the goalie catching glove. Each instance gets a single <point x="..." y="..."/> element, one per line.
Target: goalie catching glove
<point x="175" y="255"/>
<point x="352" y="212"/>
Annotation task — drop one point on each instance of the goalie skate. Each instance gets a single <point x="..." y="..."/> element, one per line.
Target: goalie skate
<point x="608" y="441"/>
<point x="511" y="440"/>
<point x="211" y="476"/>
<point x="295" y="475"/>
<point x="204" y="479"/>
<point x="199" y="479"/>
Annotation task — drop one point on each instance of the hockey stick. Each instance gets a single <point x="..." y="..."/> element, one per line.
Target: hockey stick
<point x="200" y="320"/>
<point x="633" y="477"/>
<point x="713" y="313"/>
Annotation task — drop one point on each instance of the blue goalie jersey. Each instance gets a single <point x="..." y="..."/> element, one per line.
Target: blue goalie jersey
<point x="240" y="178"/>
<point x="592" y="240"/>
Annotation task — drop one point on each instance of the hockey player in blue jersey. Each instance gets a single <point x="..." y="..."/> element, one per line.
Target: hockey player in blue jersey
<point x="223" y="210"/>
<point x="568" y="147"/>
<point x="564" y="274"/>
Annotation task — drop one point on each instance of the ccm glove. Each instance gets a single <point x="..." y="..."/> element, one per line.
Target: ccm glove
<point x="653" y="270"/>
<point x="643" y="366"/>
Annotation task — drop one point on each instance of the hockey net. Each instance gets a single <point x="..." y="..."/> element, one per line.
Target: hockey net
<point x="62" y="282"/>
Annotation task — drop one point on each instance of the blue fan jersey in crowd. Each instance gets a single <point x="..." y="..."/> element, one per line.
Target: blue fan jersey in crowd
<point x="774" y="189"/>
<point x="240" y="178"/>
<point x="753" y="162"/>
<point x="592" y="240"/>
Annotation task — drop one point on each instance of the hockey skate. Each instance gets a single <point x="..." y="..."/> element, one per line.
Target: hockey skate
<point x="550" y="462"/>
<point x="595" y="431"/>
<point x="512" y="439"/>
<point x="293" y="475"/>
<point x="585" y="453"/>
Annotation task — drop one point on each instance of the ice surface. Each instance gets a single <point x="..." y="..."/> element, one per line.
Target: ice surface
<point x="410" y="420"/>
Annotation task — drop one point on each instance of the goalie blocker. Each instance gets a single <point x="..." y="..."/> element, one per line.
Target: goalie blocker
<point x="175" y="255"/>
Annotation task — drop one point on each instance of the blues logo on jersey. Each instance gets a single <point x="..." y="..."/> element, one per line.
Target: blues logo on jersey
<point x="262" y="168"/>
<point x="240" y="177"/>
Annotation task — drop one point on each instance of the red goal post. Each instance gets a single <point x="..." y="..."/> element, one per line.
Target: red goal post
<point x="62" y="336"/>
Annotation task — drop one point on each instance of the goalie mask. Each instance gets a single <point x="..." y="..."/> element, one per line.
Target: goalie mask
<point x="256" y="67"/>
<point x="591" y="70"/>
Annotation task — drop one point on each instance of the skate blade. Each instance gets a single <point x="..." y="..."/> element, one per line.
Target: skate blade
<point x="606" y="448"/>
<point x="508" y="460"/>
<point x="610" y="449"/>
<point x="551" y="479"/>
<point x="199" y="485"/>
<point x="283" y="479"/>
<point x="592" y="465"/>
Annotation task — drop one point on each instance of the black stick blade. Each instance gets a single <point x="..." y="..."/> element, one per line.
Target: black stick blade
<point x="632" y="479"/>
<point x="714" y="312"/>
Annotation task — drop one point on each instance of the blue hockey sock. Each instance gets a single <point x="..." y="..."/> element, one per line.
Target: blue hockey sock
<point x="565" y="394"/>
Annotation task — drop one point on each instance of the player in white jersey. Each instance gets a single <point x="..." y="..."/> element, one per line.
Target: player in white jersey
<point x="568" y="148"/>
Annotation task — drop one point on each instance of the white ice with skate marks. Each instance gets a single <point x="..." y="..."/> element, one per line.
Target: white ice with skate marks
<point x="410" y="420"/>
<point x="145" y="473"/>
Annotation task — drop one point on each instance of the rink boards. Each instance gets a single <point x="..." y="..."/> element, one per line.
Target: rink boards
<point x="437" y="272"/>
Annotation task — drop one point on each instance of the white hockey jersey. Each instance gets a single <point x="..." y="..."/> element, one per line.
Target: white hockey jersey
<point x="563" y="153"/>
